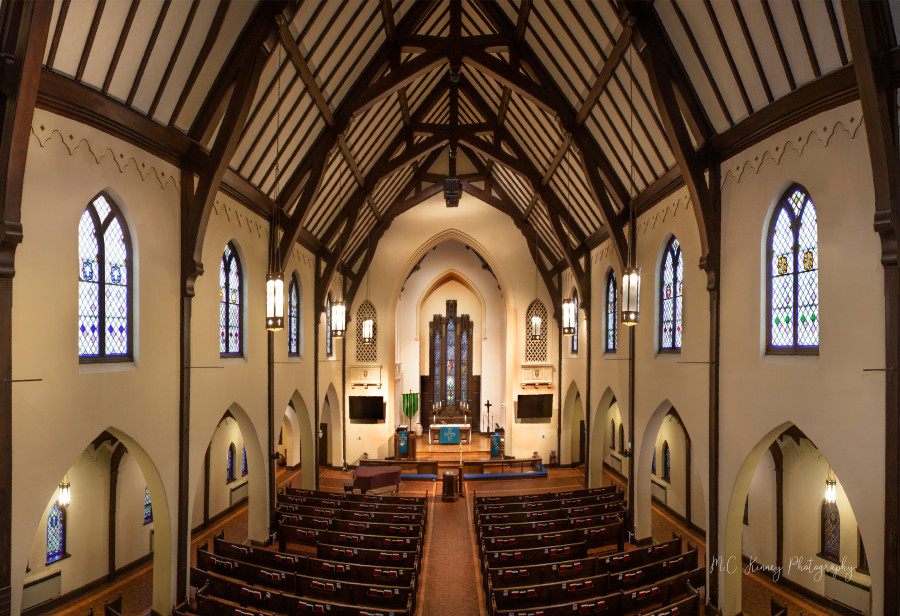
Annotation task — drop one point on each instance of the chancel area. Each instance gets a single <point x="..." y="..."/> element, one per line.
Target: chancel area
<point x="409" y="307"/>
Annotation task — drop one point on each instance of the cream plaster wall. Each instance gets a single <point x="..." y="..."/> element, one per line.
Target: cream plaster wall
<point x="760" y="537"/>
<point x="132" y="535"/>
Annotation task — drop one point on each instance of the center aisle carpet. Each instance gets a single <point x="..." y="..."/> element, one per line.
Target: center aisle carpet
<point x="450" y="581"/>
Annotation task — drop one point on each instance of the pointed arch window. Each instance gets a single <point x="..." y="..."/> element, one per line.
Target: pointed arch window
<point x="104" y="283"/>
<point x="328" y="341"/>
<point x="612" y="434"/>
<point x="621" y="438"/>
<point x="653" y="462"/>
<point x="670" y="297"/>
<point x="148" y="507"/>
<point x="575" y="335"/>
<point x="536" y="349"/>
<point x="792" y="274"/>
<point x="612" y="309"/>
<point x="243" y="460"/>
<point x="231" y="303"/>
<point x="667" y="461"/>
<point x="229" y="464"/>
<point x="294" y="318"/>
<point x="831" y="532"/>
<point x="56" y="534"/>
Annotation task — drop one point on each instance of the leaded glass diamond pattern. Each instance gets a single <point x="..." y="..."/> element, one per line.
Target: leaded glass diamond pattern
<point x="536" y="350"/>
<point x="56" y="533"/>
<point x="366" y="352"/>
<point x="243" y="460"/>
<point x="831" y="531"/>
<point x="229" y="463"/>
<point x="148" y="507"/>
<point x="793" y="274"/>
<point x="437" y="360"/>
<point x="230" y="304"/>
<point x="104" y="279"/>
<point x="782" y="281"/>
<point x="671" y="297"/>
<point x="294" y="318"/>
<point x="612" y="308"/>
<point x="464" y="365"/>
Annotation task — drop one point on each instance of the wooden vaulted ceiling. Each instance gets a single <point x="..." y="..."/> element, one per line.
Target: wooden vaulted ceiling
<point x="363" y="100"/>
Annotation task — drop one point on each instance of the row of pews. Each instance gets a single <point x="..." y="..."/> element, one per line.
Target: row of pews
<point x="540" y="557"/>
<point x="358" y="556"/>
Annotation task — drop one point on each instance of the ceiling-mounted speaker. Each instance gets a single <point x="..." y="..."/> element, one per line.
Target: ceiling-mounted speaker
<point x="452" y="188"/>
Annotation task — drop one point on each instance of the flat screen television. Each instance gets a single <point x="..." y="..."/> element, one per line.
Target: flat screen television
<point x="534" y="406"/>
<point x="369" y="408"/>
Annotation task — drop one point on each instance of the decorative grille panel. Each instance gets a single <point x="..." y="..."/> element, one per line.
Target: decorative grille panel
<point x="366" y="353"/>
<point x="536" y="350"/>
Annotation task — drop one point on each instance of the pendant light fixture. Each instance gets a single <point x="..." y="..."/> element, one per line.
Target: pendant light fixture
<point x="274" y="277"/>
<point x="65" y="492"/>
<point x="631" y="277"/>
<point x="368" y="324"/>
<point x="535" y="333"/>
<point x="569" y="309"/>
<point x="338" y="309"/>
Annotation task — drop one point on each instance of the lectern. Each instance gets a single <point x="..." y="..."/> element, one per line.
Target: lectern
<point x="404" y="444"/>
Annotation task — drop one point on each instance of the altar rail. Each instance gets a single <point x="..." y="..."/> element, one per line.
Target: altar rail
<point x="504" y="468"/>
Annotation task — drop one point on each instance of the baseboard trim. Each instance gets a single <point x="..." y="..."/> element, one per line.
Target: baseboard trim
<point x="681" y="519"/>
<point x="49" y="606"/>
<point x="616" y="474"/>
<point x="212" y="521"/>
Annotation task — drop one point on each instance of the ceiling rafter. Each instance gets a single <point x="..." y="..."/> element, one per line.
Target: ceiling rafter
<point x="306" y="75"/>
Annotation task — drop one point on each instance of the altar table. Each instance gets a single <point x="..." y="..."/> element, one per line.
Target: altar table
<point x="438" y="433"/>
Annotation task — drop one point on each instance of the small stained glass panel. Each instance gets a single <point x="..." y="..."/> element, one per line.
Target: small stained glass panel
<point x="148" y="507"/>
<point x="88" y="287"/>
<point x="668" y="302"/>
<point x="451" y="362"/>
<point x="293" y="318"/>
<point x="808" y="279"/>
<point x="328" y="326"/>
<point x="611" y="312"/>
<point x="103" y="208"/>
<point x="464" y="365"/>
<point x="56" y="533"/>
<point x="230" y="308"/>
<point x="243" y="460"/>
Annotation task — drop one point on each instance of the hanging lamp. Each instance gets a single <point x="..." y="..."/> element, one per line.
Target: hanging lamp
<point x="274" y="277"/>
<point x="65" y="492"/>
<point x="338" y="309"/>
<point x="535" y="333"/>
<point x="830" y="488"/>
<point x="631" y="276"/>
<point x="569" y="309"/>
<point x="368" y="324"/>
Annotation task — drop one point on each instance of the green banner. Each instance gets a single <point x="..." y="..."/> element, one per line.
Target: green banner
<point x="410" y="404"/>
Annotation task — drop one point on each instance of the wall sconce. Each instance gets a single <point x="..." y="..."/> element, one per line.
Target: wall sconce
<point x="65" y="492"/>
<point x="830" y="489"/>
<point x="368" y="331"/>
<point x="535" y="328"/>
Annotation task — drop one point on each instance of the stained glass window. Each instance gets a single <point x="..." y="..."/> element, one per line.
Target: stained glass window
<point x="148" y="508"/>
<point x="328" y="326"/>
<point x="575" y="335"/>
<point x="793" y="275"/>
<point x="230" y="302"/>
<point x="621" y="438"/>
<point x="612" y="434"/>
<point x="451" y="361"/>
<point x="294" y="318"/>
<point x="243" y="460"/>
<point x="670" y="297"/>
<point x="667" y="461"/>
<point x="747" y="511"/>
<point x="831" y="532"/>
<point x="56" y="533"/>
<point x="229" y="463"/>
<point x="104" y="283"/>
<point x="863" y="565"/>
<point x="464" y="365"/>
<point x="612" y="307"/>
<point x="653" y="462"/>
<point x="437" y="361"/>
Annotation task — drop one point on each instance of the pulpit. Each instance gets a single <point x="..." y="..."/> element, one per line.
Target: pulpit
<point x="404" y="444"/>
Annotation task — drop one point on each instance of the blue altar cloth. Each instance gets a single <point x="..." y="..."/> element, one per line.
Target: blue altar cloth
<point x="449" y="435"/>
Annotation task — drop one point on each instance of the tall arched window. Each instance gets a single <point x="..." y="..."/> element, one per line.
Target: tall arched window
<point x="575" y="335"/>
<point x="612" y="434"/>
<point x="231" y="303"/>
<point x="653" y="462"/>
<point x="229" y="463"/>
<point x="148" y="506"/>
<point x="104" y="283"/>
<point x="670" y="288"/>
<point x="667" y="461"/>
<point x="536" y="350"/>
<point x="367" y="353"/>
<point x="621" y="438"/>
<point x="243" y="460"/>
<point x="328" y="325"/>
<point x="792" y="273"/>
<point x="612" y="307"/>
<point x="294" y="318"/>
<point x="831" y="532"/>
<point x="56" y="534"/>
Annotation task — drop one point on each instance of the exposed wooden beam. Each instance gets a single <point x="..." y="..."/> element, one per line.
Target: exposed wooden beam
<point x="603" y="77"/>
<point x="148" y="51"/>
<point x="306" y="75"/>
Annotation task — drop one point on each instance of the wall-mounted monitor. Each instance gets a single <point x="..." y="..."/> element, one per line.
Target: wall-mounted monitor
<point x="534" y="406"/>
<point x="366" y="408"/>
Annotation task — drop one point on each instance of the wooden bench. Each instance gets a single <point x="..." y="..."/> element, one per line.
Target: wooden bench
<point x="387" y="558"/>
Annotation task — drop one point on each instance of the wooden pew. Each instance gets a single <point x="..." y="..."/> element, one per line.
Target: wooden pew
<point x="530" y="556"/>
<point x="521" y="516"/>
<point x="387" y="558"/>
<point x="689" y="606"/>
<point x="549" y="593"/>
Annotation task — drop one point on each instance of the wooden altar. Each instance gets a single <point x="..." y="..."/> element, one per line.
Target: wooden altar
<point x="434" y="432"/>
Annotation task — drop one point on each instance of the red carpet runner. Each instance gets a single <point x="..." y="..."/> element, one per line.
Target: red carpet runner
<point x="450" y="582"/>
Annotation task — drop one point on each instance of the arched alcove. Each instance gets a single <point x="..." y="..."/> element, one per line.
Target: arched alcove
<point x="571" y="427"/>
